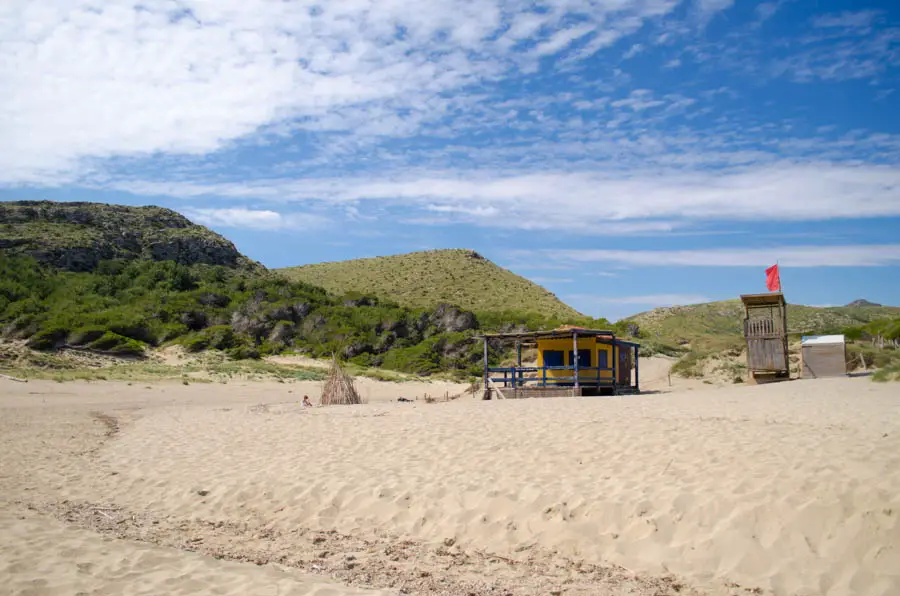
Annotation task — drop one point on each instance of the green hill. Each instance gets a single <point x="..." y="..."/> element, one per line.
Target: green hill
<point x="724" y="319"/>
<point x="423" y="279"/>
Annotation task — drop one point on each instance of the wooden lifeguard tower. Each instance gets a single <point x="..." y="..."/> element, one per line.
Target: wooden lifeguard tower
<point x="570" y="362"/>
<point x="765" y="330"/>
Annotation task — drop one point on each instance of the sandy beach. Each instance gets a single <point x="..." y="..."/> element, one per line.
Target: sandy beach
<point x="786" y="489"/>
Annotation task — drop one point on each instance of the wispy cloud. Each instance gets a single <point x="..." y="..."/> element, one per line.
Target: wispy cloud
<point x="708" y="8"/>
<point x="861" y="19"/>
<point x="598" y="202"/>
<point x="766" y="10"/>
<point x="255" y="219"/>
<point x="788" y="256"/>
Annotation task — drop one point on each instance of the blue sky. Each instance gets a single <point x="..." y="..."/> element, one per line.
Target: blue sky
<point x="626" y="154"/>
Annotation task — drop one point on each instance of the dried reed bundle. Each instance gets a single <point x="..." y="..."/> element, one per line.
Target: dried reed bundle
<point x="338" y="389"/>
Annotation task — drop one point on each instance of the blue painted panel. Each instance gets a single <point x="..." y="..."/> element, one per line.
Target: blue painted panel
<point x="553" y="358"/>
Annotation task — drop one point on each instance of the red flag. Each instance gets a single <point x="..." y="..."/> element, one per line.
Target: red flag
<point x="773" y="280"/>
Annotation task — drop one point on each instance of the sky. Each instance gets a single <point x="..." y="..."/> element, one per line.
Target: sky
<point x="626" y="154"/>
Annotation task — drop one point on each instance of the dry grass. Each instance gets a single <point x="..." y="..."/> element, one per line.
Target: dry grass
<point x="423" y="279"/>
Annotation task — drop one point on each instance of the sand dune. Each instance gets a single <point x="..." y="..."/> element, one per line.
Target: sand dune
<point x="791" y="488"/>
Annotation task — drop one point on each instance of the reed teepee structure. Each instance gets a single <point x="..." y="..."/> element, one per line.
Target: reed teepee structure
<point x="338" y="389"/>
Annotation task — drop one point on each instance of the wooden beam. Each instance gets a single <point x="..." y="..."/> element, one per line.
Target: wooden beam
<point x="615" y="363"/>
<point x="637" y="370"/>
<point x="575" y="358"/>
<point x="518" y="374"/>
<point x="485" y="365"/>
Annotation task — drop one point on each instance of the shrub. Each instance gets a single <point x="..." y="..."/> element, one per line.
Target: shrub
<point x="48" y="339"/>
<point x="889" y="373"/>
<point x="117" y="344"/>
<point x="690" y="365"/>
<point x="243" y="352"/>
<point x="86" y="335"/>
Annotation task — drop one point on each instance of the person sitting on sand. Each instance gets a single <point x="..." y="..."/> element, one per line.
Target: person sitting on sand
<point x="306" y="402"/>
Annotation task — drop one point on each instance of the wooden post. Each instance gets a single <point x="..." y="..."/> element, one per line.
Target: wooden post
<point x="637" y="377"/>
<point x="575" y="359"/>
<point x="615" y="366"/>
<point x="485" y="365"/>
<point x="518" y="373"/>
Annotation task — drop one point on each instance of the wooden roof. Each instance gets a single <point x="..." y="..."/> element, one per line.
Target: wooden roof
<point x="770" y="299"/>
<point x="557" y="334"/>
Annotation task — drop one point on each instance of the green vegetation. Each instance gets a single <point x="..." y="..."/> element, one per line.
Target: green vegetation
<point x="424" y="279"/>
<point x="690" y="365"/>
<point x="211" y="368"/>
<point x="876" y="346"/>
<point x="123" y="307"/>
<point x="888" y="373"/>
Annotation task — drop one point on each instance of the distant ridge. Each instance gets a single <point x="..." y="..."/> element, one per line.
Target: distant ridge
<point x="862" y="302"/>
<point x="422" y="279"/>
<point x="721" y="319"/>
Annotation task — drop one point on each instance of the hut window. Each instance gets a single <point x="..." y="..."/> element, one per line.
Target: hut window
<point x="553" y="358"/>
<point x="584" y="358"/>
<point x="604" y="359"/>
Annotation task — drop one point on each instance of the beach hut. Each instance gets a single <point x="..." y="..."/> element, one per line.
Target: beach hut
<point x="823" y="356"/>
<point x="765" y="330"/>
<point x="570" y="361"/>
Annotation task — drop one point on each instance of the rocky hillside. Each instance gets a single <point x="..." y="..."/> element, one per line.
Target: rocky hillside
<point x="424" y="279"/>
<point x="78" y="236"/>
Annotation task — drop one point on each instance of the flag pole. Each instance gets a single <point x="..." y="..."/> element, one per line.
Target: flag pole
<point x="780" y="281"/>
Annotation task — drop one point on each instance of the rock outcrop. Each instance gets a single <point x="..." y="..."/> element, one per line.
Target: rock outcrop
<point x="863" y="302"/>
<point x="77" y="236"/>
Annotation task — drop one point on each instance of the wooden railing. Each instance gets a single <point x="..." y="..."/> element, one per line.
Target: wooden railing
<point x="762" y="328"/>
<point x="515" y="376"/>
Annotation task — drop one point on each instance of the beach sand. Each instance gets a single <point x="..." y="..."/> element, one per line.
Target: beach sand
<point x="788" y="488"/>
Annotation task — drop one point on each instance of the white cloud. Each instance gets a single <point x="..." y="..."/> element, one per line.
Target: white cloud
<point x="865" y="255"/>
<point x="708" y="8"/>
<point x="85" y="80"/>
<point x="255" y="219"/>
<point x="639" y="99"/>
<point x="462" y="210"/>
<point x="766" y="11"/>
<point x="633" y="51"/>
<point x="562" y="39"/>
<point x="648" y="201"/>
<point x="846" y="20"/>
